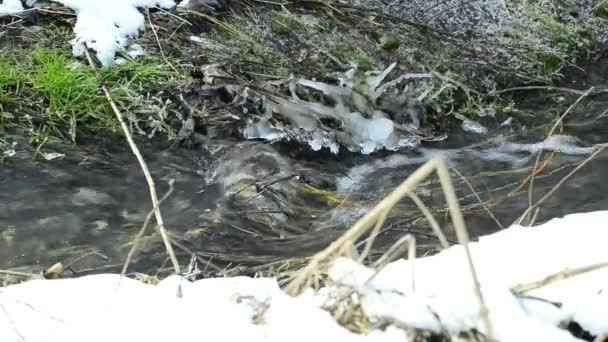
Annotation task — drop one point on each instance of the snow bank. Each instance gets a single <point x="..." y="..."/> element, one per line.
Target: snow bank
<point x="106" y="25"/>
<point x="444" y="299"/>
<point x="97" y="308"/>
<point x="103" y="308"/>
<point x="10" y="7"/>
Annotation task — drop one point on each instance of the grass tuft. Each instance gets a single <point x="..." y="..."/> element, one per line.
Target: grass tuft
<point x="63" y="97"/>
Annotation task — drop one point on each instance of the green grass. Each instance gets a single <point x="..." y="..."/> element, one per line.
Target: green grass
<point x="355" y="56"/>
<point x="565" y="39"/>
<point x="12" y="81"/>
<point x="66" y="95"/>
<point x="72" y="92"/>
<point x="283" y="23"/>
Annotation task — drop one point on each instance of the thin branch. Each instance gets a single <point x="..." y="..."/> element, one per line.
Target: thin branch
<point x="142" y="231"/>
<point x="443" y="240"/>
<point x="481" y="202"/>
<point x="338" y="247"/>
<point x="558" y="122"/>
<point x="563" y="180"/>
<point x="144" y="168"/>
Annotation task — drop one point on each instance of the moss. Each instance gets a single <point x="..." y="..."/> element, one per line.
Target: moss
<point x="389" y="42"/>
<point x="355" y="56"/>
<point x="565" y="37"/>
<point x="601" y="10"/>
<point x="283" y="23"/>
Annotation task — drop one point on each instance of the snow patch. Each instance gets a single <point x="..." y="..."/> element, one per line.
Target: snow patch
<point x="443" y="297"/>
<point x="106" y="25"/>
<point x="10" y="7"/>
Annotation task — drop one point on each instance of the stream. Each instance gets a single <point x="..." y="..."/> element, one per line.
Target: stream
<point x="241" y="205"/>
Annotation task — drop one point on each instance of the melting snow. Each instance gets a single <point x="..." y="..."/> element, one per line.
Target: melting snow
<point x="443" y="297"/>
<point x="106" y="25"/>
<point x="10" y="7"/>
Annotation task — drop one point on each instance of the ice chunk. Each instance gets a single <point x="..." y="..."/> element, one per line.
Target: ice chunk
<point x="353" y="121"/>
<point x="562" y="143"/>
<point x="372" y="132"/>
<point x="263" y="130"/>
<point x="473" y="127"/>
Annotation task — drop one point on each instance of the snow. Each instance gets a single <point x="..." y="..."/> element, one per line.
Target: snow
<point x="106" y="25"/>
<point x="10" y="7"/>
<point x="104" y="308"/>
<point x="444" y="299"/>
<point x="107" y="308"/>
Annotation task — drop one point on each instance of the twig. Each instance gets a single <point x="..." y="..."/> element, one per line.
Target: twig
<point x="93" y="252"/>
<point x="144" y="168"/>
<point x="563" y="275"/>
<point x="562" y="89"/>
<point x="18" y="274"/>
<point x="558" y="122"/>
<point x="463" y="238"/>
<point x="394" y="251"/>
<point x="443" y="240"/>
<point x="373" y="235"/>
<point x="563" y="180"/>
<point x="483" y="204"/>
<point x="142" y="231"/>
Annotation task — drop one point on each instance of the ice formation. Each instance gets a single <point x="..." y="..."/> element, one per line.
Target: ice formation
<point x="9" y="7"/>
<point x="361" y="126"/>
<point x="106" y="308"/>
<point x="106" y="25"/>
<point x="563" y="143"/>
<point x="517" y="154"/>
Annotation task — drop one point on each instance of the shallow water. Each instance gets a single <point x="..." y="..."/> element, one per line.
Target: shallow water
<point x="250" y="203"/>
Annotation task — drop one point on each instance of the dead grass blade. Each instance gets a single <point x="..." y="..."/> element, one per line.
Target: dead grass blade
<point x="342" y="245"/>
<point x="563" y="275"/>
<point x="535" y="170"/>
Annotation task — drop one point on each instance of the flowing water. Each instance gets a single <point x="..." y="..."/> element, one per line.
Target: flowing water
<point x="253" y="203"/>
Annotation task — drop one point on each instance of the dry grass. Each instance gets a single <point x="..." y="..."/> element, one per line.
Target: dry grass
<point x="345" y="244"/>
